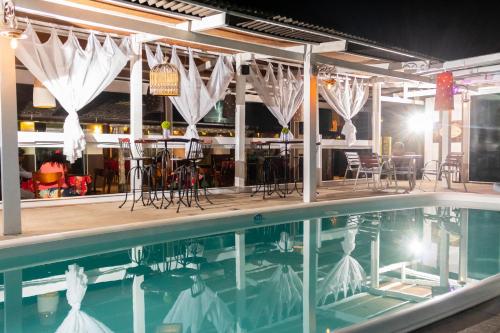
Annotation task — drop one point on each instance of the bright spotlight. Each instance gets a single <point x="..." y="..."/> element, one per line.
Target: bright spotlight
<point x="415" y="247"/>
<point x="418" y="123"/>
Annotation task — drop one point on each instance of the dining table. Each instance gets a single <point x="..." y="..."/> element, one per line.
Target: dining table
<point x="405" y="164"/>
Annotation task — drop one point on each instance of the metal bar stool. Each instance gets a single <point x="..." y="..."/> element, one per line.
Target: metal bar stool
<point x="138" y="170"/>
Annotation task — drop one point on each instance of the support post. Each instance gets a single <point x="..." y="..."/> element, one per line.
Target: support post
<point x="135" y="99"/>
<point x="310" y="137"/>
<point x="9" y="160"/>
<point x="466" y="109"/>
<point x="138" y="305"/>
<point x="445" y="141"/>
<point x="310" y="274"/>
<point x="445" y="134"/>
<point x="463" y="247"/>
<point x="13" y="305"/>
<point x="429" y="131"/>
<point x="240" y="279"/>
<point x="240" y="136"/>
<point x="376" y="118"/>
<point x="444" y="256"/>
<point x="375" y="261"/>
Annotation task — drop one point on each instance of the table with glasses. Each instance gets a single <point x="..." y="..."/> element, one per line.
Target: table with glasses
<point x="405" y="165"/>
<point x="272" y="164"/>
<point x="166" y="178"/>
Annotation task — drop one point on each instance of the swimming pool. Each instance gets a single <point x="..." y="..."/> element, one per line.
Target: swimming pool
<point x="353" y="265"/>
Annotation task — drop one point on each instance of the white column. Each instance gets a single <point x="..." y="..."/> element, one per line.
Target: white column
<point x="376" y="118"/>
<point x="466" y="109"/>
<point x="463" y="247"/>
<point x="310" y="137"/>
<point x="429" y="131"/>
<point x="444" y="256"/>
<point x="445" y="134"/>
<point x="13" y="304"/>
<point x="239" y="136"/>
<point x="310" y="274"/>
<point x="375" y="261"/>
<point x="138" y="305"/>
<point x="11" y="193"/>
<point x="135" y="97"/>
<point x="240" y="280"/>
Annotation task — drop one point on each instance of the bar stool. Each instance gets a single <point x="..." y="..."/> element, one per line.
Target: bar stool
<point x="141" y="167"/>
<point x="186" y="177"/>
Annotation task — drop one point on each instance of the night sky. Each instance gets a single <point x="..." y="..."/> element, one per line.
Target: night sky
<point x="442" y="29"/>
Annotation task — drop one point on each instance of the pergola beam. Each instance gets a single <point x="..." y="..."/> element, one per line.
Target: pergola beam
<point x="369" y="69"/>
<point x="210" y="22"/>
<point x="87" y="14"/>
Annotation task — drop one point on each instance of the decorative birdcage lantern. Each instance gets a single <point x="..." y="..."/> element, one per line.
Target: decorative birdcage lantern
<point x="164" y="80"/>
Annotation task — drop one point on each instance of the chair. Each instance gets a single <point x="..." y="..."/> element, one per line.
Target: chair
<point x="452" y="169"/>
<point x="353" y="163"/>
<point x="371" y="165"/>
<point x="47" y="179"/>
<point x="431" y="168"/>
<point x="142" y="169"/>
<point x="186" y="177"/>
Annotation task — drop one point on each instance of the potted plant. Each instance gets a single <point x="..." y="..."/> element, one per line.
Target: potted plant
<point x="285" y="134"/>
<point x="165" y="126"/>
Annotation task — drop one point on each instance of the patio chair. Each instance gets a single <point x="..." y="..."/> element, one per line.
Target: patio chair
<point x="452" y="169"/>
<point x="431" y="168"/>
<point x="48" y="179"/>
<point x="353" y="163"/>
<point x="371" y="165"/>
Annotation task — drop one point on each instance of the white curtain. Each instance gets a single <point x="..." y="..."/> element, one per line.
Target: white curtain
<point x="347" y="274"/>
<point x="78" y="321"/>
<point x="279" y="298"/>
<point x="282" y="95"/>
<point x="192" y="311"/>
<point x="74" y="76"/>
<point x="346" y="99"/>
<point x="196" y="98"/>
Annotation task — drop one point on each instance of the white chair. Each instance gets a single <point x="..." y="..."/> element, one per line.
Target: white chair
<point x="353" y="163"/>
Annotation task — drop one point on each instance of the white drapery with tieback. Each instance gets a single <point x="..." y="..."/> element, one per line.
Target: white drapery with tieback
<point x="347" y="99"/>
<point x="78" y="321"/>
<point x="282" y="94"/>
<point x="193" y="311"/>
<point x="196" y="98"/>
<point x="347" y="275"/>
<point x="73" y="75"/>
<point x="279" y="298"/>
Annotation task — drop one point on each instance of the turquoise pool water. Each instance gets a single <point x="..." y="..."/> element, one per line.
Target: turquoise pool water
<point x="368" y="265"/>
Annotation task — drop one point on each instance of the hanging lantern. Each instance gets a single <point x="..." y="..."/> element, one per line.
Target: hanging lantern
<point x="444" y="92"/>
<point x="42" y="98"/>
<point x="164" y="80"/>
<point x="329" y="83"/>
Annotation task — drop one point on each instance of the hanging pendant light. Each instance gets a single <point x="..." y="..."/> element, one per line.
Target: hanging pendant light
<point x="164" y="80"/>
<point x="42" y="98"/>
<point x="444" y="92"/>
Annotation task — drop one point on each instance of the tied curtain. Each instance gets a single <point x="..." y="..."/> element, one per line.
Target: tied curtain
<point x="78" y="321"/>
<point x="347" y="274"/>
<point x="196" y="98"/>
<point x="192" y="311"/>
<point x="281" y="296"/>
<point x="73" y="75"/>
<point x="282" y="94"/>
<point x="346" y="99"/>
